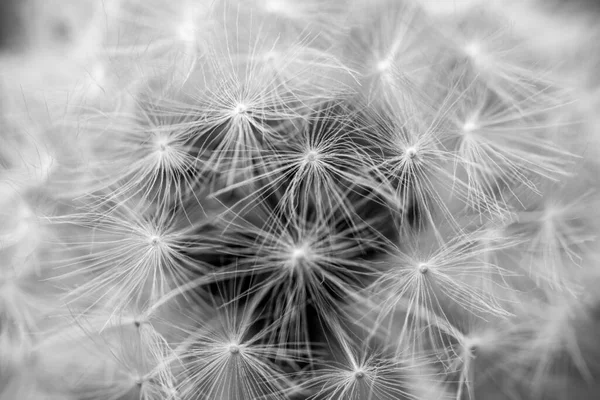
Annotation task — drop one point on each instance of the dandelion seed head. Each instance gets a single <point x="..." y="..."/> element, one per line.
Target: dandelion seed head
<point x="134" y="256"/>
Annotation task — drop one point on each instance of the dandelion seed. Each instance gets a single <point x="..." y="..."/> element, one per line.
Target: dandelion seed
<point x="465" y="363"/>
<point x="320" y="166"/>
<point x="412" y="163"/>
<point x="559" y="234"/>
<point x="548" y="343"/>
<point x="233" y="111"/>
<point x="158" y="29"/>
<point x="130" y="254"/>
<point x="308" y="73"/>
<point x="112" y="361"/>
<point x="364" y="371"/>
<point x="499" y="146"/>
<point x="303" y="262"/>
<point x="501" y="58"/>
<point x="387" y="49"/>
<point x="224" y="358"/>
<point x="145" y="154"/>
<point x="428" y="287"/>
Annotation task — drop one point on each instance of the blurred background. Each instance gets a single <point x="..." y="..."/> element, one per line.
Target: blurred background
<point x="25" y="24"/>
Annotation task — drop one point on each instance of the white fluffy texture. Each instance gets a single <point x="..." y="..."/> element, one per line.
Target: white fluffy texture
<point x="191" y="194"/>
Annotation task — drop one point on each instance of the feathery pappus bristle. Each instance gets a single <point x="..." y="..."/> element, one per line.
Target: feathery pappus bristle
<point x="299" y="200"/>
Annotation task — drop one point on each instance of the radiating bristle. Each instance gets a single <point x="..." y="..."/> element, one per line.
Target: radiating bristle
<point x="299" y="200"/>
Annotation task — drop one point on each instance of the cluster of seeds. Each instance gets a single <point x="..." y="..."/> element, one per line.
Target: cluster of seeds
<point x="296" y="200"/>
